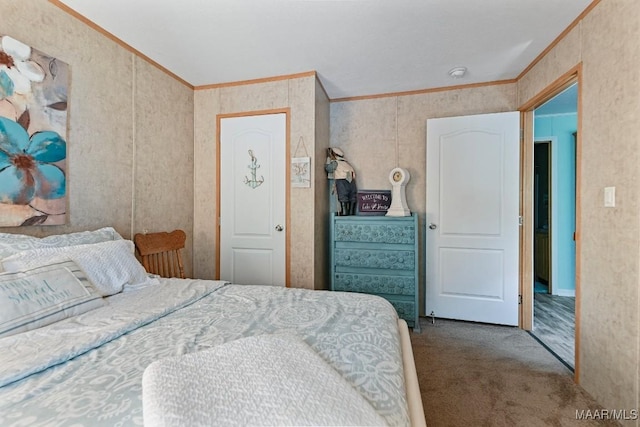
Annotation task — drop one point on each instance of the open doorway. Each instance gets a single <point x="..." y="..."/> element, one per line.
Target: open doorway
<point x="542" y="198"/>
<point x="554" y="194"/>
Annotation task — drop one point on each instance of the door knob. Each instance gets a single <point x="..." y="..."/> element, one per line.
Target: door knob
<point x="279" y="227"/>
<point x="432" y="226"/>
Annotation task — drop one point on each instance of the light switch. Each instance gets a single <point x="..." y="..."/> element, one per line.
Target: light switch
<point x="609" y="197"/>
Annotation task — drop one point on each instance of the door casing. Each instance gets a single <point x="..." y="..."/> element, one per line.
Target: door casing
<point x="574" y="75"/>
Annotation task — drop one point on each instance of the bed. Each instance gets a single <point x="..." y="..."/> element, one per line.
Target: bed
<point x="133" y="349"/>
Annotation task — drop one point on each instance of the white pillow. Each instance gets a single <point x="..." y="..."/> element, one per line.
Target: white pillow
<point x="13" y="243"/>
<point x="44" y="295"/>
<point x="109" y="265"/>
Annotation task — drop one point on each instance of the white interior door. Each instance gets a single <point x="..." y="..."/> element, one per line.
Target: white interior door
<point x="472" y="218"/>
<point x="253" y="199"/>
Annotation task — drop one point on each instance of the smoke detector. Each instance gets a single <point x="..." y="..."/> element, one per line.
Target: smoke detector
<point x="457" y="72"/>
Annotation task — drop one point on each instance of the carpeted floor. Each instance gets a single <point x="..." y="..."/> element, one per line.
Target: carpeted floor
<point x="474" y="374"/>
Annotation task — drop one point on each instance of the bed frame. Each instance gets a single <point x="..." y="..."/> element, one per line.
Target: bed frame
<point x="414" y="399"/>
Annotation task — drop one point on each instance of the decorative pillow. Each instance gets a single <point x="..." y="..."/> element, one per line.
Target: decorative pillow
<point x="13" y="243"/>
<point x="44" y="295"/>
<point x="109" y="265"/>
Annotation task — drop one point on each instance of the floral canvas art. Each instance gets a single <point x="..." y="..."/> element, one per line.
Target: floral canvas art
<point x="33" y="126"/>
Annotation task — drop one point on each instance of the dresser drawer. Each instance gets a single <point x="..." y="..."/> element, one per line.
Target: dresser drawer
<point x="406" y="310"/>
<point x="375" y="258"/>
<point x="401" y="233"/>
<point x="374" y="284"/>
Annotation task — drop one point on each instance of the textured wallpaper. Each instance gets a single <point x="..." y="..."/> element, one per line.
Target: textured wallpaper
<point x="130" y="146"/>
<point x="140" y="158"/>
<point x="606" y="42"/>
<point x="379" y="134"/>
<point x="297" y="94"/>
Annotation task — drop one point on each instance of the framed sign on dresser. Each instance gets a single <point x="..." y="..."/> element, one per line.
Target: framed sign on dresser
<point x="377" y="255"/>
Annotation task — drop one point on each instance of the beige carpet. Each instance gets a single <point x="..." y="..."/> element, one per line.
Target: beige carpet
<point x="483" y="375"/>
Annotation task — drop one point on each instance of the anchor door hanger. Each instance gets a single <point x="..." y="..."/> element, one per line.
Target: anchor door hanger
<point x="253" y="179"/>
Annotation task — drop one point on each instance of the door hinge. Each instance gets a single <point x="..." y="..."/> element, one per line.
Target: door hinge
<point x="520" y="221"/>
<point x="521" y="135"/>
<point x="519" y="299"/>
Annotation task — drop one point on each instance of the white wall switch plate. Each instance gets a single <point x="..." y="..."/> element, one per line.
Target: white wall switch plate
<point x="609" y="197"/>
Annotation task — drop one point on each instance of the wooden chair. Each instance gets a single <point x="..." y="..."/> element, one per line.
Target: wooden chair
<point x="161" y="252"/>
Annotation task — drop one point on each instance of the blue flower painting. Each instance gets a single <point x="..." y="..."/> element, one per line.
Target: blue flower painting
<point x="33" y="126"/>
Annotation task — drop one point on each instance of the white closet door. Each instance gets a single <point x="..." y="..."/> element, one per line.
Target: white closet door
<point x="253" y="199"/>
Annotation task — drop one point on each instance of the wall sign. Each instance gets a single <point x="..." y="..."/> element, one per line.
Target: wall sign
<point x="301" y="172"/>
<point x="373" y="202"/>
<point x="301" y="167"/>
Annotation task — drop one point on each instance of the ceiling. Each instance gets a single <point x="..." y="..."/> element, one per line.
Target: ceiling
<point x="357" y="47"/>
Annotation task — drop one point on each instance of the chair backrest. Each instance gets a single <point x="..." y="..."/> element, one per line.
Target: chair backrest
<point x="161" y="252"/>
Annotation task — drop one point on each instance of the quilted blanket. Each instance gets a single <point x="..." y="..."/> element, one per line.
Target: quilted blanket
<point x="88" y="370"/>
<point x="259" y="381"/>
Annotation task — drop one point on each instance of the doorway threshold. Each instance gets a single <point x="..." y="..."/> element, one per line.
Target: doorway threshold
<point x="556" y="355"/>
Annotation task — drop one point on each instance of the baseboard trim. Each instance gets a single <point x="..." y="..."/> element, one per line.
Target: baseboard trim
<point x="565" y="292"/>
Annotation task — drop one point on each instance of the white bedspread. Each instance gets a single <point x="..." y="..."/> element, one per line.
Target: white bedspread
<point x="88" y="370"/>
<point x="260" y="380"/>
<point x="34" y="351"/>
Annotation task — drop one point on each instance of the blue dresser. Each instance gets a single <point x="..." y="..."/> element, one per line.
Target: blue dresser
<point x="377" y="255"/>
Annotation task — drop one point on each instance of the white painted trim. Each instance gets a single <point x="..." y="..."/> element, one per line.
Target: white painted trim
<point x="565" y="292"/>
